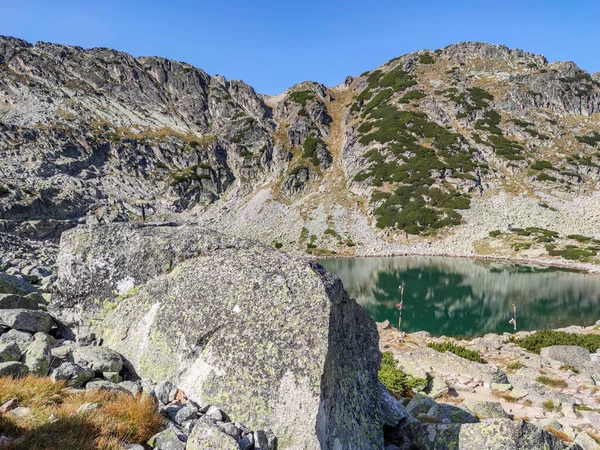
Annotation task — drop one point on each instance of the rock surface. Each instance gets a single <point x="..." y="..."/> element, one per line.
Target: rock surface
<point x="307" y="368"/>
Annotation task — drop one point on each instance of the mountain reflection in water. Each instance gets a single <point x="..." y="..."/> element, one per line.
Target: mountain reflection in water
<point x="465" y="297"/>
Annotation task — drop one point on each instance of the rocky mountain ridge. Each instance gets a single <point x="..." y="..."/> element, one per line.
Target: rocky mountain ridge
<point x="428" y="153"/>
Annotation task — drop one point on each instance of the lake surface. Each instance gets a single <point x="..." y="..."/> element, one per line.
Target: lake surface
<point x="467" y="297"/>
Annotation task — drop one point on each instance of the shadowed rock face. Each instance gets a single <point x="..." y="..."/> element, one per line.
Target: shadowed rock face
<point x="274" y="340"/>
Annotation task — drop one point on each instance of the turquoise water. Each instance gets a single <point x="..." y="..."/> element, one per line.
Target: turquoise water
<point x="467" y="297"/>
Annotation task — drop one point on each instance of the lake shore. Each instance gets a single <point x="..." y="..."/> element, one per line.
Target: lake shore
<point x="553" y="390"/>
<point x="564" y="264"/>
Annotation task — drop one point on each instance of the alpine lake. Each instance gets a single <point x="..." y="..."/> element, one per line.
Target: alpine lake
<point x="468" y="297"/>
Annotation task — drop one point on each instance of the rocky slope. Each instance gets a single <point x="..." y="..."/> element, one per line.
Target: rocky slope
<point x="428" y="153"/>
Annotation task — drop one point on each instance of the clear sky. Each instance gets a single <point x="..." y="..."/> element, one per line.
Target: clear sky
<point x="273" y="44"/>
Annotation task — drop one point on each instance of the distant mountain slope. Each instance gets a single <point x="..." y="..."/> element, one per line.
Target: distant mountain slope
<point x="428" y="153"/>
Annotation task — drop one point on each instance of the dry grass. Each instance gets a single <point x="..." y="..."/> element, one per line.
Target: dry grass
<point x="55" y="425"/>
<point x="559" y="434"/>
<point x="505" y="395"/>
<point x="552" y="382"/>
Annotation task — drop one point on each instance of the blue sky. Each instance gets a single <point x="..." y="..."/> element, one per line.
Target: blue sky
<point x="275" y="44"/>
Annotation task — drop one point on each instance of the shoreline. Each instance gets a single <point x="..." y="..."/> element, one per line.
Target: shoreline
<point x="587" y="268"/>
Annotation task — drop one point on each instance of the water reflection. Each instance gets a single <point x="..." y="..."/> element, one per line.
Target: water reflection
<point x="456" y="297"/>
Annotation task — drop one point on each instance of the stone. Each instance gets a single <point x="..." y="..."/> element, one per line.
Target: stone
<point x="8" y="405"/>
<point x="230" y="429"/>
<point x="494" y="434"/>
<point x="501" y="387"/>
<point x="112" y="376"/>
<point x="205" y="436"/>
<point x="134" y="447"/>
<point x="166" y="440"/>
<point x="578" y="357"/>
<point x="245" y="443"/>
<point x="420" y="403"/>
<point x="37" y="356"/>
<point x="72" y="374"/>
<point x="393" y="413"/>
<point x="260" y="440"/>
<point x="9" y="352"/>
<point x="319" y="392"/>
<point x="518" y="393"/>
<point x="88" y="407"/>
<point x="437" y="387"/>
<point x="188" y="412"/>
<point x="454" y="414"/>
<point x="586" y="442"/>
<point x="135" y="387"/>
<point x="486" y="409"/>
<point x="162" y="391"/>
<point x="61" y="354"/>
<point x="98" y="383"/>
<point x="99" y="359"/>
<point x="21" y="338"/>
<point x="13" y="301"/>
<point x="385" y="325"/>
<point x="13" y="369"/>
<point x="27" y="320"/>
<point x="20" y="411"/>
<point x="215" y="413"/>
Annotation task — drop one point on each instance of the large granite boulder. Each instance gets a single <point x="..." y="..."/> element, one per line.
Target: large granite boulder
<point x="272" y="339"/>
<point x="578" y="357"/>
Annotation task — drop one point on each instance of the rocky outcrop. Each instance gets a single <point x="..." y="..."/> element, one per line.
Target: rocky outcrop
<point x="273" y="340"/>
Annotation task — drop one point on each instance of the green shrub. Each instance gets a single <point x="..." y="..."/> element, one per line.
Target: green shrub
<point x="573" y="253"/>
<point x="579" y="238"/>
<point x="514" y="365"/>
<point x="541" y="165"/>
<point x="412" y="95"/>
<point x="545" y="338"/>
<point x="545" y="177"/>
<point x="302" y="97"/>
<point x="549" y="381"/>
<point x="278" y="245"/>
<point x="490" y="122"/>
<point x="507" y="148"/>
<point x="309" y="149"/>
<point x="495" y="233"/>
<point x="472" y="355"/>
<point x="593" y="139"/>
<point x="4" y="191"/>
<point x="518" y="246"/>
<point x="395" y="380"/>
<point x="426" y="58"/>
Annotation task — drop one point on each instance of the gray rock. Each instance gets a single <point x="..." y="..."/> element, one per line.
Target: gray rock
<point x="98" y="383"/>
<point x="9" y="352"/>
<point x="230" y="429"/>
<point x="13" y="369"/>
<point x="437" y="387"/>
<point x="332" y="365"/>
<point x="13" y="301"/>
<point x="112" y="376"/>
<point x="486" y="409"/>
<point x="215" y="413"/>
<point x="501" y="387"/>
<point x="393" y="413"/>
<point x="135" y="387"/>
<point x="72" y="374"/>
<point x="166" y="440"/>
<point x="578" y="357"/>
<point x="586" y="442"/>
<point x="87" y="408"/>
<point x="99" y="359"/>
<point x="245" y="443"/>
<point x="420" y="403"/>
<point x="260" y="440"/>
<point x="188" y="412"/>
<point x="162" y="391"/>
<point x="61" y="354"/>
<point x="37" y="356"/>
<point x="21" y="338"/>
<point x="495" y="434"/>
<point x="208" y="437"/>
<point x="134" y="447"/>
<point x="27" y="320"/>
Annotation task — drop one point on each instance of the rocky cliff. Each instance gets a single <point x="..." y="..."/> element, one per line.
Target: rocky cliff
<point x="428" y="153"/>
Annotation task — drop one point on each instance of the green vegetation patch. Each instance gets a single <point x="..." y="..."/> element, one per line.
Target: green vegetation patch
<point x="395" y="380"/>
<point x="302" y="97"/>
<point x="426" y="58"/>
<point x="463" y="352"/>
<point x="412" y="95"/>
<point x="310" y="149"/>
<point x="546" y="338"/>
<point x="4" y="191"/>
<point x="490" y="122"/>
<point x="541" y="165"/>
<point x="550" y="381"/>
<point x="506" y="148"/>
<point x="593" y="139"/>
<point x="192" y="173"/>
